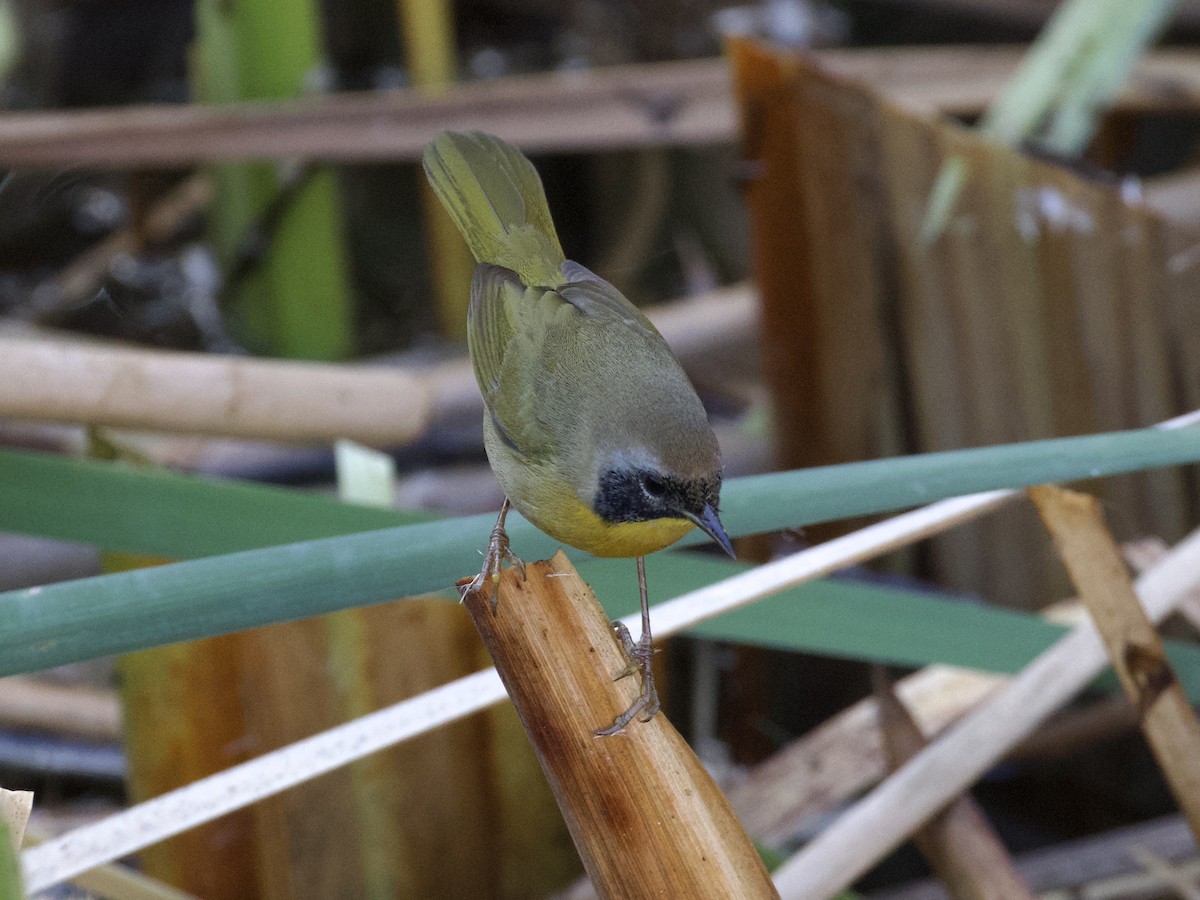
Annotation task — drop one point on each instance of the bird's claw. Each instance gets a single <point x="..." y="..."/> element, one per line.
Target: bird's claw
<point x="638" y="658"/>
<point x="498" y="553"/>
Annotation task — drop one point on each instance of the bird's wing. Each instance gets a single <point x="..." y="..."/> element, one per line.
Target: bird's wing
<point x="600" y="301"/>
<point x="506" y="345"/>
<point x="541" y="352"/>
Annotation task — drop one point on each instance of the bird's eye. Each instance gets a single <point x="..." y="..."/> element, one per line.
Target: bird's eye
<point x="653" y="485"/>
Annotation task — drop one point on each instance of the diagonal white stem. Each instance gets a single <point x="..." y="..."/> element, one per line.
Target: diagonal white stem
<point x="956" y="760"/>
<point x="176" y="811"/>
<point x="201" y="801"/>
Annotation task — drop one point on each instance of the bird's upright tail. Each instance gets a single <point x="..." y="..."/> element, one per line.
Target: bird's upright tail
<point x="496" y="199"/>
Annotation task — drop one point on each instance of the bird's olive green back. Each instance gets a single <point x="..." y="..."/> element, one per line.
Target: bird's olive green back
<point x="496" y="199"/>
<point x="571" y="372"/>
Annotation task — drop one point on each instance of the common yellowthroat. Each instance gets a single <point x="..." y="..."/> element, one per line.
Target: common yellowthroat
<point x="590" y="424"/>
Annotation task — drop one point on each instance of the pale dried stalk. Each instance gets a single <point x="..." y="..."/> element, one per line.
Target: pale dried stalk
<point x="155" y="820"/>
<point x="958" y="843"/>
<point x="646" y="817"/>
<point x="1142" y="555"/>
<point x="106" y="384"/>
<point x="880" y="821"/>
<point x="116" y="881"/>
<point x="203" y="800"/>
<point x="193" y="392"/>
<point x="844" y="756"/>
<point x="1134" y="647"/>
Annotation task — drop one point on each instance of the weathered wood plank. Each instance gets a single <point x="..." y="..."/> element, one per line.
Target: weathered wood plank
<point x="621" y="107"/>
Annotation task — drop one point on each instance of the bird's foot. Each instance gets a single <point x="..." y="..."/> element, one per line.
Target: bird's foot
<point x="498" y="553"/>
<point x="639" y="657"/>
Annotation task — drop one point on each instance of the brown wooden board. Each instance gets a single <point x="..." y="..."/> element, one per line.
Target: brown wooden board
<point x="1049" y="305"/>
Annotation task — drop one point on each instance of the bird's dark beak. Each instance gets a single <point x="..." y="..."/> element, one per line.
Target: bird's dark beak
<point x="708" y="522"/>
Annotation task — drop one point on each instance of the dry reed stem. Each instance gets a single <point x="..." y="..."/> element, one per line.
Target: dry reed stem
<point x="107" y="384"/>
<point x="201" y="801"/>
<point x="958" y="843"/>
<point x="646" y="817"/>
<point x="192" y="392"/>
<point x="116" y="881"/>
<point x="1144" y="554"/>
<point x="1094" y="563"/>
<point x="844" y="756"/>
<point x="880" y="821"/>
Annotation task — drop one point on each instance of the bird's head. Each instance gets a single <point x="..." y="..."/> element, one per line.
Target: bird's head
<point x="637" y="487"/>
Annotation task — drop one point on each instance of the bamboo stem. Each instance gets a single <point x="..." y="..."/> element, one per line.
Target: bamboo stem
<point x="1094" y="562"/>
<point x="948" y="766"/>
<point x="107" y="384"/>
<point x="191" y="392"/>
<point x="646" y="817"/>
<point x="145" y="824"/>
<point x="958" y="843"/>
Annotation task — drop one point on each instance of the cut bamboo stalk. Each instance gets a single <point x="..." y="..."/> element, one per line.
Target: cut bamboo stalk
<point x="646" y="817"/>
<point x="958" y="843"/>
<point x="948" y="766"/>
<point x="111" y="385"/>
<point x="1134" y="647"/>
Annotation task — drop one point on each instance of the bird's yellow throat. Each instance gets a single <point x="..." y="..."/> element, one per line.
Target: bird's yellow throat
<point x="574" y="523"/>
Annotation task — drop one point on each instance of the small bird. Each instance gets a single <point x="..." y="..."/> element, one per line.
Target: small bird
<point x="590" y="424"/>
